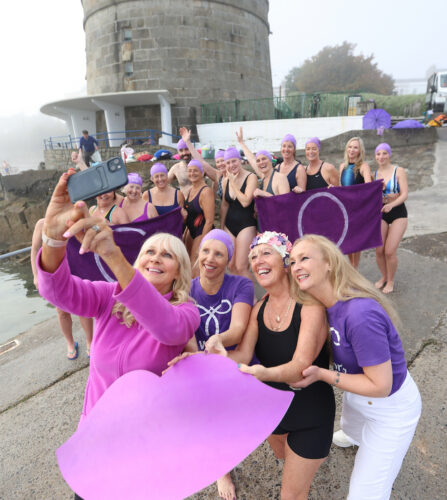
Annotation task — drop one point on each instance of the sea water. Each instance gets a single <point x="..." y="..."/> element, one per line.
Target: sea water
<point x="21" y="306"/>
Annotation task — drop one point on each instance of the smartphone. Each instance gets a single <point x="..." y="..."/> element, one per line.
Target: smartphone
<point x="102" y="178"/>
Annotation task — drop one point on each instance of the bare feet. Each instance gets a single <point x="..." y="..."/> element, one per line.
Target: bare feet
<point x="226" y="488"/>
<point x="379" y="284"/>
<point x="388" y="288"/>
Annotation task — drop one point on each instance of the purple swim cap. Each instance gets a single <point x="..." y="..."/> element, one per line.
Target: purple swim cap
<point x="231" y="153"/>
<point x="314" y="140"/>
<point x="223" y="237"/>
<point x="265" y="153"/>
<point x="158" y="168"/>
<point x="181" y="144"/>
<point x="196" y="163"/>
<point x="219" y="154"/>
<point x="134" y="178"/>
<point x="289" y="138"/>
<point x="385" y="147"/>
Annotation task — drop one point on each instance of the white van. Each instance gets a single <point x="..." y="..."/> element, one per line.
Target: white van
<point x="436" y="95"/>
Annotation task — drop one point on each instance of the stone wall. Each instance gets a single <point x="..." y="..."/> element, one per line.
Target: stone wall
<point x="201" y="51"/>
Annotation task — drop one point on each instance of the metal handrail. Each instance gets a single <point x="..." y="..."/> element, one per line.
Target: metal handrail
<point x="70" y="142"/>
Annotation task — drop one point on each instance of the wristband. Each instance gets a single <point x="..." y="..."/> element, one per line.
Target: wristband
<point x="53" y="243"/>
<point x="337" y="378"/>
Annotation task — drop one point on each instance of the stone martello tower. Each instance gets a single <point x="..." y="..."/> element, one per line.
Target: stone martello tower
<point x="177" y="53"/>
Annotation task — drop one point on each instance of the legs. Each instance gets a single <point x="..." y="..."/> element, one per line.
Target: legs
<point x="298" y="472"/>
<point x="66" y="325"/>
<point x="225" y="488"/>
<point x="395" y="233"/>
<point x="354" y="259"/>
<point x="87" y="326"/>
<point x="239" y="262"/>
<point x="380" y="256"/>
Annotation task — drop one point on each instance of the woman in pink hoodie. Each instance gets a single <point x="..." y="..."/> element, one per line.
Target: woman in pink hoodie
<point x="141" y="321"/>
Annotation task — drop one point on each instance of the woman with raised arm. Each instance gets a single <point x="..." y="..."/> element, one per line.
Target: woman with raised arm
<point x="134" y="206"/>
<point x="225" y="302"/>
<point x="286" y="337"/>
<point x="381" y="403"/>
<point x="163" y="196"/>
<point x="143" y="319"/>
<point x="107" y="207"/>
<point x="394" y="215"/>
<point x="354" y="170"/>
<point x="199" y="206"/>
<point x="238" y="210"/>
<point x="290" y="166"/>
<point x="272" y="182"/>
<point x="319" y="173"/>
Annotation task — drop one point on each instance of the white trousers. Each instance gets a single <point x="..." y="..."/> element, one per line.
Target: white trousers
<point x="383" y="428"/>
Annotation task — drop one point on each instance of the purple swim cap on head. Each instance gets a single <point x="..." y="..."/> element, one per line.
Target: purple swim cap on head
<point x="219" y="154"/>
<point x="196" y="163"/>
<point x="158" y="168"/>
<point x="314" y="140"/>
<point x="231" y="153"/>
<point x="223" y="237"/>
<point x="265" y="153"/>
<point x="134" y="178"/>
<point x="385" y="147"/>
<point x="181" y="144"/>
<point x="289" y="138"/>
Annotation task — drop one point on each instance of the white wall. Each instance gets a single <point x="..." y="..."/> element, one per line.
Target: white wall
<point x="267" y="134"/>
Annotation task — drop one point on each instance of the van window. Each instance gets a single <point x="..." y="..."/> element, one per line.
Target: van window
<point x="443" y="80"/>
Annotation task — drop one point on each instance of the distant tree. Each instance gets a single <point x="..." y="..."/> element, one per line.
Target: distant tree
<point x="290" y="81"/>
<point x="337" y="69"/>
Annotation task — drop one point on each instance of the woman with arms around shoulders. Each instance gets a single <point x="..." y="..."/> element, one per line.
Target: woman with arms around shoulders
<point x="225" y="302"/>
<point x="199" y="207"/>
<point x="354" y="170"/>
<point x="381" y="403"/>
<point x="319" y="173"/>
<point x="133" y="204"/>
<point x="272" y="182"/>
<point x="394" y="215"/>
<point x="238" y="210"/>
<point x="286" y="337"/>
<point x="163" y="196"/>
<point x="143" y="319"/>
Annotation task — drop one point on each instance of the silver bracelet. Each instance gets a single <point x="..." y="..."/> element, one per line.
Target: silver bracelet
<point x="53" y="243"/>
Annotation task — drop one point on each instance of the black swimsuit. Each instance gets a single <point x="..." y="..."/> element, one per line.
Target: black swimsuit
<point x="269" y="188"/>
<point x="195" y="221"/>
<point x="291" y="176"/>
<point x="315" y="181"/>
<point x="309" y="421"/>
<point x="239" y="217"/>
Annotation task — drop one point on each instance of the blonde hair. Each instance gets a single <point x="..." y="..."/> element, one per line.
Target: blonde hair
<point x="346" y="281"/>
<point x="180" y="286"/>
<point x="361" y="158"/>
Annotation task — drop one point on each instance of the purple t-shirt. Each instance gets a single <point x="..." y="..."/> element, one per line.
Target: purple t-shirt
<point x="363" y="335"/>
<point x="215" y="310"/>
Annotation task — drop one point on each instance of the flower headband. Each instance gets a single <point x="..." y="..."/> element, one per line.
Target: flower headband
<point x="278" y="241"/>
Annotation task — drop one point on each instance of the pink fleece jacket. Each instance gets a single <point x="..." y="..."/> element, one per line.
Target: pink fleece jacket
<point x="161" y="332"/>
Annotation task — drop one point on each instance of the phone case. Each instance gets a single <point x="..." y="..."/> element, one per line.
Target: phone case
<point x="102" y="178"/>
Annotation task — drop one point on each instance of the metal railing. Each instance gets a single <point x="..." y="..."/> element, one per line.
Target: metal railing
<point x="136" y="137"/>
<point x="298" y="105"/>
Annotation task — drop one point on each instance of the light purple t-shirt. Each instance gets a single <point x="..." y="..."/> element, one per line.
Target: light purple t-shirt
<point x="363" y="335"/>
<point x="215" y="310"/>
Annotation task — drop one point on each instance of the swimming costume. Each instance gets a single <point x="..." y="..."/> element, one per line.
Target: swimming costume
<point x="315" y="181"/>
<point x="399" y="211"/>
<point x="309" y="421"/>
<point x="143" y="216"/>
<point x="219" y="187"/>
<point x="239" y="217"/>
<point x="349" y="178"/>
<point x="164" y="209"/>
<point x="195" y="220"/>
<point x="108" y="215"/>
<point x="291" y="176"/>
<point x="269" y="188"/>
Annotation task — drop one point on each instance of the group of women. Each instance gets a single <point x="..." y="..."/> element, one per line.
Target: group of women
<point x="156" y="314"/>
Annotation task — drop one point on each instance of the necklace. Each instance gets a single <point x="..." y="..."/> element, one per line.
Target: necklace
<point x="278" y="317"/>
